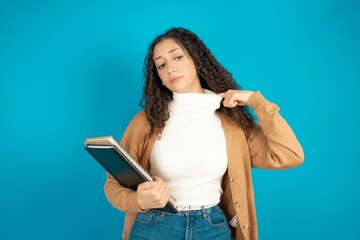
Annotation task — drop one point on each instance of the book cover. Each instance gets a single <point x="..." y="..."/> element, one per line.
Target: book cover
<point x="120" y="165"/>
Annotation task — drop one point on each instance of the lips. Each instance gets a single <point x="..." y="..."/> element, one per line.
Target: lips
<point x="175" y="79"/>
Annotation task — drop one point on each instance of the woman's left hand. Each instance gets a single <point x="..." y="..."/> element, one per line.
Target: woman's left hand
<point x="233" y="98"/>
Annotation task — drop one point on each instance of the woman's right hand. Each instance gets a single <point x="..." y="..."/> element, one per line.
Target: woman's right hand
<point x="154" y="194"/>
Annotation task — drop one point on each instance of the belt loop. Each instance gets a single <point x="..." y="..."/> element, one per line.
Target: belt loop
<point x="204" y="212"/>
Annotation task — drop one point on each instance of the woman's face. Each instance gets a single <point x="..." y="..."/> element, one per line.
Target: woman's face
<point x="175" y="68"/>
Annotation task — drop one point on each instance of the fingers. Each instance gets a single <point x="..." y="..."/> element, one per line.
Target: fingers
<point x="147" y="185"/>
<point x="161" y="197"/>
<point x="233" y="98"/>
<point x="230" y="99"/>
<point x="151" y="184"/>
<point x="223" y="94"/>
<point x="154" y="194"/>
<point x="163" y="192"/>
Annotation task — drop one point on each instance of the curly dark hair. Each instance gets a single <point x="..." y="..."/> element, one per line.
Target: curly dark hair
<point x="213" y="76"/>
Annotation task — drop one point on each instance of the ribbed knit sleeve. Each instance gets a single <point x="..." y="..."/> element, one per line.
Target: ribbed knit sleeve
<point x="273" y="144"/>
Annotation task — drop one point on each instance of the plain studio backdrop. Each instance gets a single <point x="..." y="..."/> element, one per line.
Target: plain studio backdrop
<point x="73" y="69"/>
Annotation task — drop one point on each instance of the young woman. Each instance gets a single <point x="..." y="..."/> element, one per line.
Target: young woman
<point x="198" y="138"/>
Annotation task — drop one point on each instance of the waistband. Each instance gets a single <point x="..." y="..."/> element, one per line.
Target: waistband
<point x="203" y="211"/>
<point x="187" y="208"/>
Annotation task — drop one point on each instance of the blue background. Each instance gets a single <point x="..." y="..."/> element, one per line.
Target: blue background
<point x="73" y="69"/>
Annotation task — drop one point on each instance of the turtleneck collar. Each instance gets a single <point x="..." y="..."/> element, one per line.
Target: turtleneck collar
<point x="207" y="101"/>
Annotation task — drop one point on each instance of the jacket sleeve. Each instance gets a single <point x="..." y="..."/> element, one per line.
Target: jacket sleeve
<point x="119" y="196"/>
<point x="272" y="145"/>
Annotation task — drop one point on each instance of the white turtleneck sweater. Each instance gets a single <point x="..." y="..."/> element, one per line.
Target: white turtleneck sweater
<point x="191" y="154"/>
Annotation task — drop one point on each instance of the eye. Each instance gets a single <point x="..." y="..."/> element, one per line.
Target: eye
<point x="177" y="58"/>
<point x="161" y="66"/>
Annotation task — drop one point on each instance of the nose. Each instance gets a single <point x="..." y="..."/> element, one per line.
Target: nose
<point x="170" y="68"/>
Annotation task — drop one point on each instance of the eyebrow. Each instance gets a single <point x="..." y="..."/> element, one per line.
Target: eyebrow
<point x="172" y="50"/>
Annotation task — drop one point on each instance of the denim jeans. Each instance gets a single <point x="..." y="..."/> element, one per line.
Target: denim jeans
<point x="210" y="223"/>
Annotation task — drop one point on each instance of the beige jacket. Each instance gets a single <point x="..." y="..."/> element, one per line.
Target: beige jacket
<point x="271" y="146"/>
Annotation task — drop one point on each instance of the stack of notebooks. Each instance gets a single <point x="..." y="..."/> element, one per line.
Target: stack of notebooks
<point x="120" y="165"/>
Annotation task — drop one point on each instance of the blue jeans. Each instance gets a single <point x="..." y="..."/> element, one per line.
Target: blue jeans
<point x="210" y="223"/>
